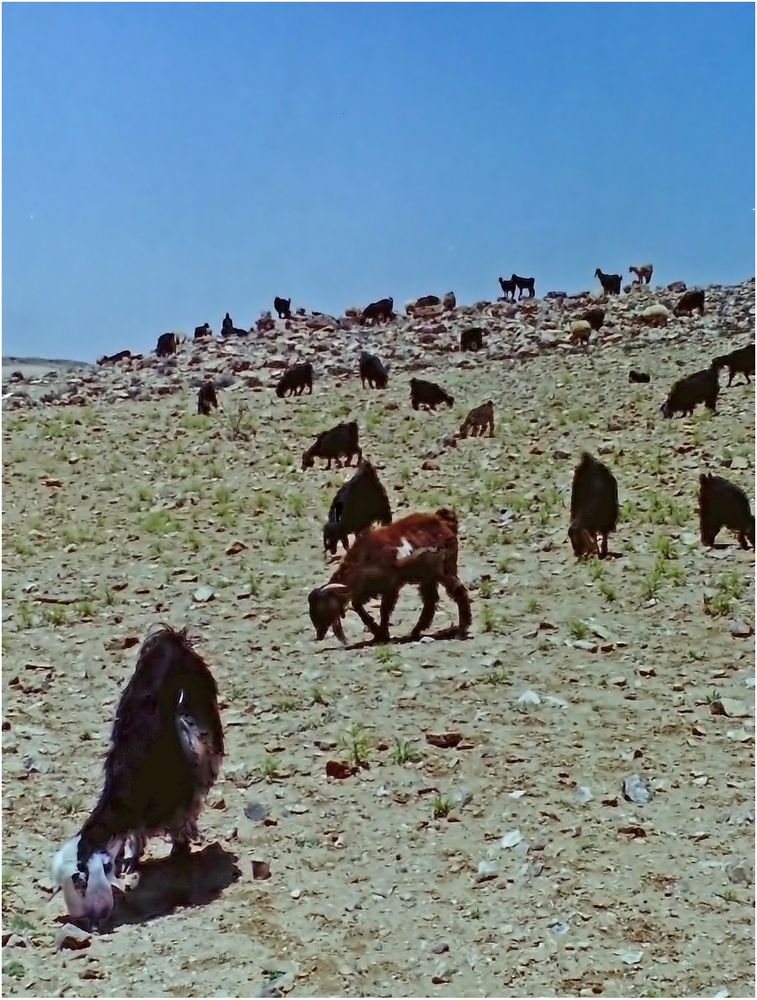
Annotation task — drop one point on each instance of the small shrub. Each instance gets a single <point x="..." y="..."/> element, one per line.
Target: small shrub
<point x="404" y="752"/>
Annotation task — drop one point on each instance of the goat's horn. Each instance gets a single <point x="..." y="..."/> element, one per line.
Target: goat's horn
<point x="338" y="589"/>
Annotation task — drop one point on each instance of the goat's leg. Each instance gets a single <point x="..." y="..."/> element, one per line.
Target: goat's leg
<point x="603" y="550"/>
<point x="388" y="604"/>
<point x="429" y="592"/>
<point x="369" y="622"/>
<point x="457" y="592"/>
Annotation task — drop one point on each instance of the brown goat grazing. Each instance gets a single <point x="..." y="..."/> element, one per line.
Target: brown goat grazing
<point x="420" y="550"/>
<point x="472" y="339"/>
<point x="611" y="283"/>
<point x="338" y="442"/>
<point x="689" y="301"/>
<point x="477" y="421"/>
<point x="643" y="273"/>
<point x="295" y="380"/>
<point x="166" y="345"/>
<point x="523" y="285"/>
<point x="423" y="393"/>
<point x="206" y="399"/>
<point x="508" y="288"/>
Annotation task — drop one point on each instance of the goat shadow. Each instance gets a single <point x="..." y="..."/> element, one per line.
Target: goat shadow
<point x="446" y="633"/>
<point x="166" y="884"/>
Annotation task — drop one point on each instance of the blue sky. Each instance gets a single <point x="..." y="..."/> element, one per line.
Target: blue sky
<point x="163" y="163"/>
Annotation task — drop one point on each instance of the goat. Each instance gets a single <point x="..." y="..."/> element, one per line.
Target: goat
<point x="358" y="504"/>
<point x="419" y="549"/>
<point x="724" y="505"/>
<point x="229" y="330"/>
<point x="166" y="345"/>
<point x="203" y="331"/>
<point x="634" y="376"/>
<point x="449" y="302"/>
<point x="372" y="371"/>
<point x="655" y="315"/>
<point x="422" y="303"/>
<point x="166" y="751"/>
<point x="643" y="273"/>
<point x="472" y="339"/>
<point x="112" y="359"/>
<point x="478" y="420"/>
<point x="593" y="507"/>
<point x="523" y="285"/>
<point x="508" y="288"/>
<point x="580" y="331"/>
<point x="206" y="399"/>
<point x="701" y="387"/>
<point x="611" y="283"/>
<point x="594" y="317"/>
<point x="295" y="380"/>
<point x="739" y="361"/>
<point x="340" y="441"/>
<point x="689" y="301"/>
<point x="423" y="393"/>
<point x="381" y="310"/>
<point x="282" y="307"/>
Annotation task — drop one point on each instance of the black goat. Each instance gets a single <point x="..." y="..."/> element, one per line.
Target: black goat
<point x="701" y="387"/>
<point x="166" y="345"/>
<point x="611" y="283"/>
<point x="689" y="301"/>
<point x="359" y="503"/>
<point x="206" y="399"/>
<point x="423" y="393"/>
<point x="724" y="505"/>
<point x="295" y="380"/>
<point x="372" y="371"/>
<point x="166" y="750"/>
<point x="282" y="307"/>
<point x="201" y="332"/>
<point x="634" y="376"/>
<point x="472" y="339"/>
<point x="595" y="317"/>
<point x="593" y="507"/>
<point x="337" y="443"/>
<point x="508" y="288"/>
<point x="381" y="310"/>
<point x="523" y="285"/>
<point x="737" y="362"/>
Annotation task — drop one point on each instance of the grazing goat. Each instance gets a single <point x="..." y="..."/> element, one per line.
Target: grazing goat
<point x="689" y="301"/>
<point x="594" y="317"/>
<point x="643" y="273"/>
<point x="724" y="505"/>
<point x="372" y="371"/>
<point x="580" y="331"/>
<point x="422" y="303"/>
<point x="593" y="507"/>
<point x="206" y="399"/>
<point x="358" y="504"/>
<point x="737" y="362"/>
<point x="166" y="345"/>
<point x="449" y="301"/>
<point x="523" y="285"/>
<point x="112" y="359"/>
<point x="420" y="550"/>
<point x="165" y="753"/>
<point x="655" y="315"/>
<point x="478" y="420"/>
<point x="634" y="376"/>
<point x="338" y="442"/>
<point x="428" y="394"/>
<point x="282" y="307"/>
<point x="472" y="339"/>
<point x="295" y="380"/>
<point x="377" y="311"/>
<point x="701" y="387"/>
<point x="611" y="283"/>
<point x="201" y="332"/>
<point x="508" y="288"/>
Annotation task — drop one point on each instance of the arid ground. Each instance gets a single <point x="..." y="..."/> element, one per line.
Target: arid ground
<point x="508" y="864"/>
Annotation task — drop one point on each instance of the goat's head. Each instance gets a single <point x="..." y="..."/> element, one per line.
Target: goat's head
<point x="87" y="887"/>
<point x="583" y="542"/>
<point x="331" y="536"/>
<point x="327" y="607"/>
<point x="307" y="459"/>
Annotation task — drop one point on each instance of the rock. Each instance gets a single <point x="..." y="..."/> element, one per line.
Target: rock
<point x="260" y="870"/>
<point x="72" y="937"/>
<point x="637" y="789"/>
<point x="740" y="629"/>
<point x="203" y="594"/>
<point x="730" y="707"/>
<point x="511" y="839"/>
<point x="444" y="740"/>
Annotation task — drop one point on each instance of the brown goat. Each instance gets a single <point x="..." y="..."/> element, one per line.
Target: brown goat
<point x="420" y="550"/>
<point x="477" y="421"/>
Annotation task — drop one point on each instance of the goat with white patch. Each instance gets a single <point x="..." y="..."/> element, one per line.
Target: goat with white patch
<point x="166" y="752"/>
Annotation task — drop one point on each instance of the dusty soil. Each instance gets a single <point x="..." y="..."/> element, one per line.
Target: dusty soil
<point x="541" y="879"/>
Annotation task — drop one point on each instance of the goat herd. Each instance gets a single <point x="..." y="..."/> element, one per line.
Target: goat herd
<point x="167" y="740"/>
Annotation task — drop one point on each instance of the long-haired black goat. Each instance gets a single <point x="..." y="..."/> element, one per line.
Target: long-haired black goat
<point x="166" y="751"/>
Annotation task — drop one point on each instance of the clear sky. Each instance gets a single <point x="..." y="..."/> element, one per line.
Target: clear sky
<point x="163" y="163"/>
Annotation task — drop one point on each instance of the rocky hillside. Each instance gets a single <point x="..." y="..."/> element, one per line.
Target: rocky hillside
<point x="512" y="331"/>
